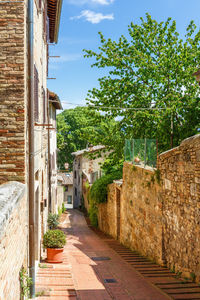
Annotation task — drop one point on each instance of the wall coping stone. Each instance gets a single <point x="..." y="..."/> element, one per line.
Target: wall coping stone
<point x="118" y="182"/>
<point x="141" y="166"/>
<point x="192" y="139"/>
<point x="10" y="195"/>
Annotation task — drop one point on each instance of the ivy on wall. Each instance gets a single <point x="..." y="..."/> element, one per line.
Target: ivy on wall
<point x="98" y="194"/>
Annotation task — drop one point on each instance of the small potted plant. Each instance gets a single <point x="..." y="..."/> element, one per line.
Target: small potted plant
<point x="52" y="221"/>
<point x="54" y="241"/>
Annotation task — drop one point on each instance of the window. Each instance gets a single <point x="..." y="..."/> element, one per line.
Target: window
<point x="66" y="188"/>
<point x="75" y="191"/>
<point x="74" y="174"/>
<point x="78" y="179"/>
<point x="94" y="177"/>
<point x="69" y="199"/>
<point x="36" y="92"/>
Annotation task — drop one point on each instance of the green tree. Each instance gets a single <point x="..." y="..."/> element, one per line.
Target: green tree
<point x="81" y="126"/>
<point x="150" y="75"/>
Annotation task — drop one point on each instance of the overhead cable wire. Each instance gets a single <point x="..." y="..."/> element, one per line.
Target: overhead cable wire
<point x="116" y="108"/>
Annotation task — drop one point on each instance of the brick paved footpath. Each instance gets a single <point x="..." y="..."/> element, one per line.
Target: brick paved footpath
<point x="80" y="277"/>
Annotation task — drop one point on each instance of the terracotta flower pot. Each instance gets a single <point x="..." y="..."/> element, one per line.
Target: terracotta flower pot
<point x="137" y="160"/>
<point x="55" y="255"/>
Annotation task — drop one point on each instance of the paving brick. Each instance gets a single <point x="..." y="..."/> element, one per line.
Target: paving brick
<point x="82" y="245"/>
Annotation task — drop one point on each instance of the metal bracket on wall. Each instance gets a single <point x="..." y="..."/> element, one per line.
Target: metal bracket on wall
<point x="37" y="124"/>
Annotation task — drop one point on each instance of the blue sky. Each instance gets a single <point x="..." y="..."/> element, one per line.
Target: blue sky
<point x="81" y="20"/>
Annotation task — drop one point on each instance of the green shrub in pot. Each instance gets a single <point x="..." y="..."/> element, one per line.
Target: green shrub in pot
<point x="54" y="239"/>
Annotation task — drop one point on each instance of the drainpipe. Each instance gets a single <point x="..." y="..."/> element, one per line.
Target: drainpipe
<point x="49" y="158"/>
<point x="31" y="187"/>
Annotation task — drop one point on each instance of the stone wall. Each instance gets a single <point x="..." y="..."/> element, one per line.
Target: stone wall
<point x="160" y="209"/>
<point x="180" y="173"/>
<point x="12" y="89"/>
<point x="141" y="211"/>
<point x="140" y="224"/>
<point x="107" y="213"/>
<point x="13" y="238"/>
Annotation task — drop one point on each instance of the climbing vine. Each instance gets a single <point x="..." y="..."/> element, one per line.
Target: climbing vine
<point x="98" y="194"/>
<point x="25" y="284"/>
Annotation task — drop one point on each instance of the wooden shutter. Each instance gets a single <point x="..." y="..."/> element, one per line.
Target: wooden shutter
<point x="36" y="98"/>
<point x="47" y="27"/>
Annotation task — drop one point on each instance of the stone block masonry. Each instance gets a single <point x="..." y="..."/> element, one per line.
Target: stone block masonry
<point x="160" y="209"/>
<point x="13" y="237"/>
<point x="140" y="222"/>
<point x="12" y="92"/>
<point x="141" y="211"/>
<point x="107" y="212"/>
<point x="180" y="173"/>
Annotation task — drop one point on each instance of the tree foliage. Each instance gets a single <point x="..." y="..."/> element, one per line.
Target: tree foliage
<point x="81" y="126"/>
<point x="150" y="71"/>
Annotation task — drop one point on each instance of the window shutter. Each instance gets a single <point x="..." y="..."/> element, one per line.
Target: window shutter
<point x="40" y="4"/>
<point x="47" y="28"/>
<point x="36" y="100"/>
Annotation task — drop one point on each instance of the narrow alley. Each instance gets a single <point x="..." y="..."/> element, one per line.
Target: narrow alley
<point x="91" y="263"/>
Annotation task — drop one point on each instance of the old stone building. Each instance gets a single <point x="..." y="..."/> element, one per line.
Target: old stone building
<point x="66" y="180"/>
<point x="27" y="28"/>
<point x="54" y="104"/>
<point x="86" y="169"/>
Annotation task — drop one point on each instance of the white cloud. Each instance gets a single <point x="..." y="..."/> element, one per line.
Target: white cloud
<point x="82" y="2"/>
<point x="93" y="17"/>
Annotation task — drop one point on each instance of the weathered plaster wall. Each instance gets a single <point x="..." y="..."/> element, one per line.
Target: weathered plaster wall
<point x="13" y="238"/>
<point x="60" y="195"/>
<point x="180" y="173"/>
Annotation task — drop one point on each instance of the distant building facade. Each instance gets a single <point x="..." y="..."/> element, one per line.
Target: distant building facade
<point x="66" y="180"/>
<point x="88" y="168"/>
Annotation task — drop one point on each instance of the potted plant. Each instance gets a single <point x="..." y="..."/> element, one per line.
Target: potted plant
<point x="52" y="221"/>
<point x="54" y="241"/>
